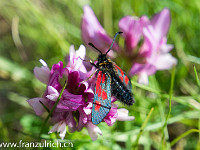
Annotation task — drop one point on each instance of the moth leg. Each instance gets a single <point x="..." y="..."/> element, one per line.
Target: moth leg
<point x="90" y="61"/>
<point x="89" y="76"/>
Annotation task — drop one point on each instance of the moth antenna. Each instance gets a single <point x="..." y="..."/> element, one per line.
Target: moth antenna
<point x="90" y="61"/>
<point x="94" y="47"/>
<point x="113" y="41"/>
<point x="82" y="59"/>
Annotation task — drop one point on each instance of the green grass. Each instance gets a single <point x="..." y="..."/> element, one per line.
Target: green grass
<point x="33" y="30"/>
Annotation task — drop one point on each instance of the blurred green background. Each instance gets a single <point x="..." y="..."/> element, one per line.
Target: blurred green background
<point x="35" y="29"/>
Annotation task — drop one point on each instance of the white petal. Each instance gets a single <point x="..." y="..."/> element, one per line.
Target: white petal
<point x="93" y="130"/>
<point x="88" y="109"/>
<point x="62" y="134"/>
<point x="165" y="61"/>
<point x="165" y="48"/>
<point x="52" y="97"/>
<point x="53" y="93"/>
<point x="59" y="127"/>
<point x="43" y="63"/>
<point x="62" y="129"/>
<point x="143" y="78"/>
<point x="80" y="53"/>
<point x="71" y="55"/>
<point x="54" y="128"/>
<point x="123" y="115"/>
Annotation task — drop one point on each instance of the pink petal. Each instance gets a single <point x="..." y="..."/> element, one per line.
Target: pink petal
<point x="92" y="21"/>
<point x="42" y="73"/>
<point x="70" y="101"/>
<point x="132" y="31"/>
<point x="71" y="122"/>
<point x="136" y="68"/>
<point x="144" y="21"/>
<point x="165" y="62"/>
<point x="93" y="32"/>
<point x="37" y="106"/>
<point x="112" y="115"/>
<point x="125" y="23"/>
<point x="150" y="39"/>
<point x="83" y="119"/>
<point x="161" y="22"/>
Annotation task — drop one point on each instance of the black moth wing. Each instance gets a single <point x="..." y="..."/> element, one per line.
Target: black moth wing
<point x="121" y="86"/>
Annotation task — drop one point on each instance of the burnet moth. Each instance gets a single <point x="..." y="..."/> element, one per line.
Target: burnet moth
<point x="111" y="80"/>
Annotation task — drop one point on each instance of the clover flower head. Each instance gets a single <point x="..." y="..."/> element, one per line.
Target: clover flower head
<point x="75" y="105"/>
<point x="145" y="41"/>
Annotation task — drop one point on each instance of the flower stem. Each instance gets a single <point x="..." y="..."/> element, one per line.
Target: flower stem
<point x="51" y="112"/>
<point x="142" y="128"/>
<point x="170" y="103"/>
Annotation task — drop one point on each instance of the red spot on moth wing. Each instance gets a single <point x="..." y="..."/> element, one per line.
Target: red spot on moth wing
<point x="116" y="68"/>
<point x="121" y="78"/>
<point x="104" y="95"/>
<point x="98" y="81"/>
<point x="126" y="79"/>
<point x="97" y="106"/>
<point x="104" y="78"/>
<point x="99" y="91"/>
<point x="122" y="72"/>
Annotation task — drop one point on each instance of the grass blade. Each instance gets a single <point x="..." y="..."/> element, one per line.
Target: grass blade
<point x="142" y="128"/>
<point x="196" y="75"/>
<point x="183" y="135"/>
<point x="198" y="83"/>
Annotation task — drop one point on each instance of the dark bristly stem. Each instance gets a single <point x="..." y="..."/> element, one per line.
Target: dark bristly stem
<point x="113" y="41"/>
<point x="51" y="112"/>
